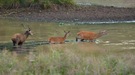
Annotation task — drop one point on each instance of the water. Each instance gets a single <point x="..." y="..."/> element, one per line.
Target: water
<point x="116" y="3"/>
<point x="120" y="36"/>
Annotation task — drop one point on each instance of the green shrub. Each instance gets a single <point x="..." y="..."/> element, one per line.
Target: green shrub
<point x="7" y="3"/>
<point x="47" y="3"/>
<point x="25" y="3"/>
<point x="63" y="2"/>
<point x="13" y="3"/>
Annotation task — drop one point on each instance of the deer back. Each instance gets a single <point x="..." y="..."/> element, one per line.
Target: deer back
<point x="86" y="35"/>
<point x="19" y="37"/>
<point x="58" y="39"/>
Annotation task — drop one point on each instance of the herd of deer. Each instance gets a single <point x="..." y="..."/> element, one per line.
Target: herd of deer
<point x="19" y="38"/>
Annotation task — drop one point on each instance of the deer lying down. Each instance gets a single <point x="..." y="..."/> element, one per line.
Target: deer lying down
<point x="19" y="38"/>
<point x="91" y="36"/>
<point x="60" y="40"/>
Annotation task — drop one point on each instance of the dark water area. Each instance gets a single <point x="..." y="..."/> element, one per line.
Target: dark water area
<point x="27" y="47"/>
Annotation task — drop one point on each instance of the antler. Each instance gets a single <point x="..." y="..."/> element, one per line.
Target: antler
<point x="66" y="31"/>
<point x="29" y="27"/>
<point x="23" y="25"/>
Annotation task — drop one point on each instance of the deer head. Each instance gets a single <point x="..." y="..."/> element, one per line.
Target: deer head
<point x="101" y="33"/>
<point x="28" y="31"/>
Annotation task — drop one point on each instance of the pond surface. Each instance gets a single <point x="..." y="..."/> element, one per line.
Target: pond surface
<point x="116" y="3"/>
<point x="120" y="37"/>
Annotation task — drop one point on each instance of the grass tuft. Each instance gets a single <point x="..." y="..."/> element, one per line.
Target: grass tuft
<point x="64" y="62"/>
<point x="8" y="4"/>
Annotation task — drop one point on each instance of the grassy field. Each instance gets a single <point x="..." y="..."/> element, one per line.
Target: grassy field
<point x="117" y="3"/>
<point x="71" y="58"/>
<point x="67" y="60"/>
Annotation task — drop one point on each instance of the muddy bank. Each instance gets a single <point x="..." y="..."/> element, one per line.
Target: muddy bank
<point x="72" y="14"/>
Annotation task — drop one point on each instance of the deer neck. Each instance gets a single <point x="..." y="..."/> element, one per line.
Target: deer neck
<point x="26" y="35"/>
<point x="65" y="35"/>
<point x="99" y="35"/>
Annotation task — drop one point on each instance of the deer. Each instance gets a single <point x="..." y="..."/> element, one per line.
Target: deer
<point x="88" y="35"/>
<point x="58" y="40"/>
<point x="19" y="38"/>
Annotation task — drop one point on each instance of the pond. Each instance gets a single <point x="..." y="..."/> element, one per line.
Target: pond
<point x="116" y="3"/>
<point x="120" y="36"/>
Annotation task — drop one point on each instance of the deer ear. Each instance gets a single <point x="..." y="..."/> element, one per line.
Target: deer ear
<point x="104" y="32"/>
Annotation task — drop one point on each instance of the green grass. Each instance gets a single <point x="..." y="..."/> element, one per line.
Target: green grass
<point x="60" y="60"/>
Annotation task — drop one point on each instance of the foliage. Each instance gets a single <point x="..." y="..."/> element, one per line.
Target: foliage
<point x="63" y="2"/>
<point x="8" y="3"/>
<point x="24" y="3"/>
<point x="47" y="3"/>
<point x="63" y="62"/>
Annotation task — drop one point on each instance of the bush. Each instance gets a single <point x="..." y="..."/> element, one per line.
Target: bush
<point x="25" y="3"/>
<point x="49" y="3"/>
<point x="8" y="3"/>
<point x="63" y="2"/>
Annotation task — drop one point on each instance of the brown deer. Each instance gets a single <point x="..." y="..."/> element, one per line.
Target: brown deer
<point x="91" y="36"/>
<point x="60" y="40"/>
<point x="19" y="38"/>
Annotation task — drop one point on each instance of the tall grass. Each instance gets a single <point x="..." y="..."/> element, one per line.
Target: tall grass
<point x="27" y="3"/>
<point x="8" y="3"/>
<point x="65" y="62"/>
<point x="63" y="1"/>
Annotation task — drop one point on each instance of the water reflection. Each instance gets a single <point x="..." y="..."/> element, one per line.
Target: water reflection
<point x="125" y="44"/>
<point x="26" y="48"/>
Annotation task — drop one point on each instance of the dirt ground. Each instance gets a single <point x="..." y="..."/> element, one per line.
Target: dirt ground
<point x="71" y="14"/>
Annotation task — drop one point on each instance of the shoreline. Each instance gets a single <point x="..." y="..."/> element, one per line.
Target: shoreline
<point x="77" y="22"/>
<point x="111" y="22"/>
<point x="87" y="14"/>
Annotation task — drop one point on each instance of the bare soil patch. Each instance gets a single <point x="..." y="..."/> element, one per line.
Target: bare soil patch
<point x="71" y="14"/>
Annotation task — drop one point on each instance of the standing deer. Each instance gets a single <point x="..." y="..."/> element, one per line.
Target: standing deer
<point x="60" y="40"/>
<point x="91" y="36"/>
<point x="19" y="38"/>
